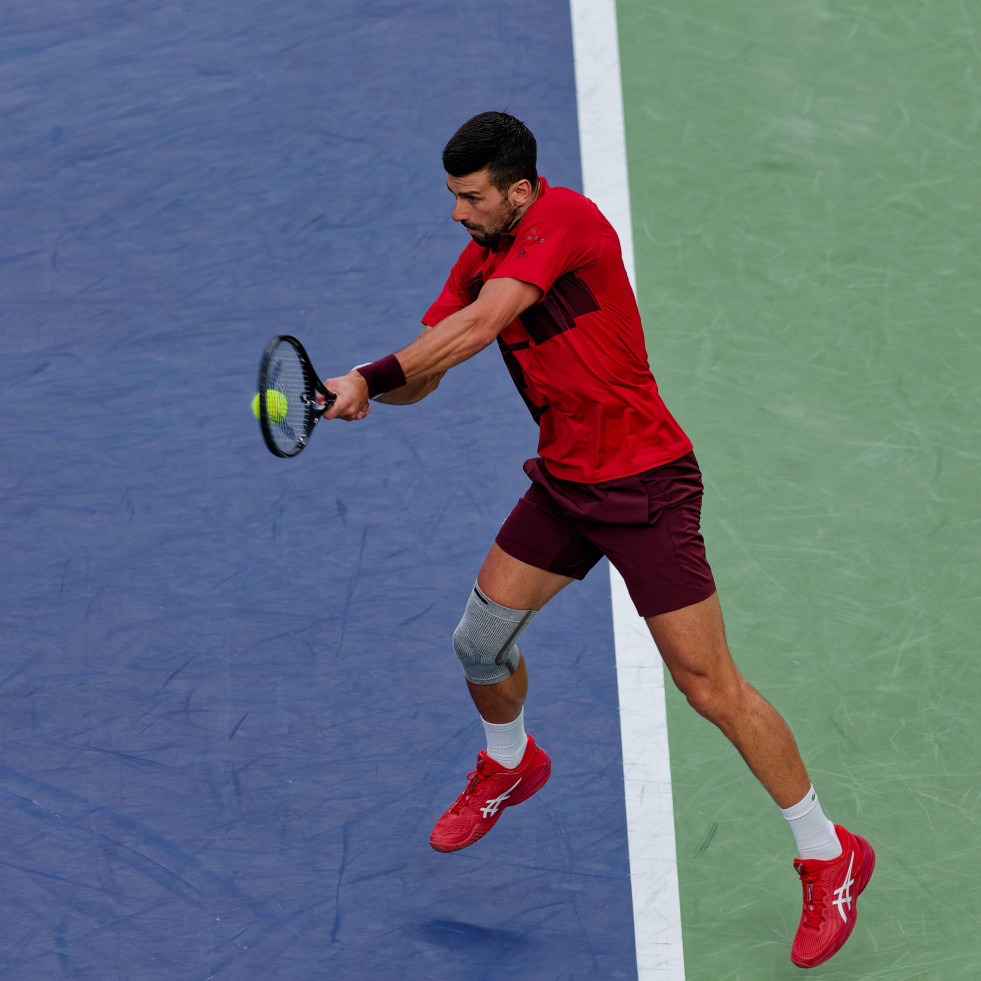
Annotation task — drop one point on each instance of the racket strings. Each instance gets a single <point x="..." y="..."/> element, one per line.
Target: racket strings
<point x="286" y="374"/>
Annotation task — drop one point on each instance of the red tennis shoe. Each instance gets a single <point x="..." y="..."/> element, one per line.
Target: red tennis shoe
<point x="490" y="790"/>
<point x="831" y="889"/>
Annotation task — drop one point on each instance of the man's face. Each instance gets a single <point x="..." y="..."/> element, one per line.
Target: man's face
<point x="481" y="208"/>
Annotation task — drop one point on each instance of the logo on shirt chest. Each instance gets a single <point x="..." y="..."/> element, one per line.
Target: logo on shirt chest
<point x="532" y="237"/>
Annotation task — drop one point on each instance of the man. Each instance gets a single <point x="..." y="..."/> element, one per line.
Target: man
<point x="615" y="476"/>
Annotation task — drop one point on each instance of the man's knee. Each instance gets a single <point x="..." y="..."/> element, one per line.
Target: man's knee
<point x="486" y="639"/>
<point x="715" y="697"/>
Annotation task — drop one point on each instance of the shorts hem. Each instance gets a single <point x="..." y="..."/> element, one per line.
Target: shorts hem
<point x="673" y="608"/>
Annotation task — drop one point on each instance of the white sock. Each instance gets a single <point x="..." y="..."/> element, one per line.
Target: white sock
<point x="506" y="743"/>
<point x="814" y="833"/>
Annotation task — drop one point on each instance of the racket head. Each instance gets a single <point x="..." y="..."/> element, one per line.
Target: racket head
<point x="285" y="369"/>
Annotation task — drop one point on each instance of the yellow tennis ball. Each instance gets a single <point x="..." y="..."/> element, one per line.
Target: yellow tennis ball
<point x="275" y="402"/>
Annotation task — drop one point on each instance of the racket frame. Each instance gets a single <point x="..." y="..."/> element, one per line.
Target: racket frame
<point x="313" y="385"/>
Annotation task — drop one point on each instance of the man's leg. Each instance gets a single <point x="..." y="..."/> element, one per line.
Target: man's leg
<point x="513" y="767"/>
<point x="693" y="644"/>
<point x="517" y="586"/>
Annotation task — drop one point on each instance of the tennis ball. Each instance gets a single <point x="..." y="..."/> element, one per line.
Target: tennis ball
<point x="275" y="402"/>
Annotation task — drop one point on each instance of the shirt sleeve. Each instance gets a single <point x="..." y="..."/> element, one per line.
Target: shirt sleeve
<point x="455" y="294"/>
<point x="562" y="234"/>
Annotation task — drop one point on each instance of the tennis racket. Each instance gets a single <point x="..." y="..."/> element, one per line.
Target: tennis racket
<point x="289" y="406"/>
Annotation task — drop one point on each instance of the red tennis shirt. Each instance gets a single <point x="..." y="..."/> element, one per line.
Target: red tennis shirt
<point x="578" y="356"/>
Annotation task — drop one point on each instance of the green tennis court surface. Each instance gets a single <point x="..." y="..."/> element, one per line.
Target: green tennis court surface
<point x="805" y="188"/>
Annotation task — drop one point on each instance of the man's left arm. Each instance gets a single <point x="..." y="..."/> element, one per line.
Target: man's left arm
<point x="452" y="341"/>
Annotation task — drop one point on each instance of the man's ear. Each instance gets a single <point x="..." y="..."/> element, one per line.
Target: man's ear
<point x="520" y="192"/>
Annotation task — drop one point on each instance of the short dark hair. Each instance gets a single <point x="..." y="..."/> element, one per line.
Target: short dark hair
<point x="497" y="141"/>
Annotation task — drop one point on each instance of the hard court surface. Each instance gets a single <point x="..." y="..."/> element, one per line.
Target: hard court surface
<point x="229" y="709"/>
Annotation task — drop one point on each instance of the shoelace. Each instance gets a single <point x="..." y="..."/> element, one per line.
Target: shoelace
<point x="473" y="778"/>
<point x="814" y="905"/>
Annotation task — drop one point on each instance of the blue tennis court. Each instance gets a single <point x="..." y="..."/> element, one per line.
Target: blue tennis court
<point x="230" y="710"/>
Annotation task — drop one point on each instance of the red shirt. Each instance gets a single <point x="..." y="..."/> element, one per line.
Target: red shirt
<point x="577" y="356"/>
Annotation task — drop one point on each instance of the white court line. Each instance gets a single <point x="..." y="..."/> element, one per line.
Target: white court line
<point x="640" y="673"/>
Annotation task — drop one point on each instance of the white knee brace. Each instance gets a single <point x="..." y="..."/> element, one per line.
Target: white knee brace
<point x="486" y="639"/>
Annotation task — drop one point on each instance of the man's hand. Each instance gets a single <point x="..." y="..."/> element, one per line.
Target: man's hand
<point x="352" y="397"/>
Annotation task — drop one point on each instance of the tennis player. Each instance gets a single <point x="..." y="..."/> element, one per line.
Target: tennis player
<point x="615" y="475"/>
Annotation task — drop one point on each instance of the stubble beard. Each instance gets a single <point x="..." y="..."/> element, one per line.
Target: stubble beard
<point x="488" y="237"/>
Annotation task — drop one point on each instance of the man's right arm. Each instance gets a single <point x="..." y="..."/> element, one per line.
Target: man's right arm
<point x="416" y="389"/>
<point x="458" y="337"/>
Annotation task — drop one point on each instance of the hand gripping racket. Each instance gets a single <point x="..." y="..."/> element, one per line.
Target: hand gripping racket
<point x="291" y="396"/>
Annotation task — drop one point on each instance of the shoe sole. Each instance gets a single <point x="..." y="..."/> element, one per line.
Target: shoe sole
<point x="868" y="867"/>
<point x="531" y="787"/>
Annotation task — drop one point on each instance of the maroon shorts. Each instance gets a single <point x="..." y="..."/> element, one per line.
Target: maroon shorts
<point x="646" y="525"/>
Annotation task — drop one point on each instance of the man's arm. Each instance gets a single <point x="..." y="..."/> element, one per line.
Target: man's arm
<point x="415" y="390"/>
<point x="453" y="340"/>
